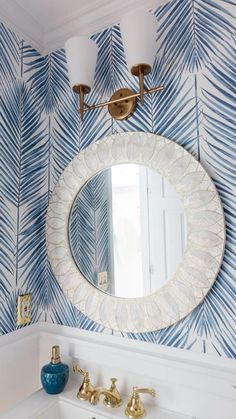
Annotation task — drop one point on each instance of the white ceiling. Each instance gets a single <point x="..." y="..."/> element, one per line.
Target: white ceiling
<point x="46" y="24"/>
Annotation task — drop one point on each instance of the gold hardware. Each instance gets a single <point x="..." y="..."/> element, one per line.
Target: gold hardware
<point x="122" y="109"/>
<point x="55" y="359"/>
<point x="112" y="396"/>
<point x="135" y="408"/>
<point x="121" y="99"/>
<point x="123" y="102"/>
<point x="23" y="309"/>
<point x="82" y="90"/>
<point x="86" y="389"/>
<point x="141" y="70"/>
<point x="144" y="68"/>
<point x="110" y="401"/>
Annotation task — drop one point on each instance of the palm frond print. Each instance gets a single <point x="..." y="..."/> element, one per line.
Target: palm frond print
<point x="41" y="132"/>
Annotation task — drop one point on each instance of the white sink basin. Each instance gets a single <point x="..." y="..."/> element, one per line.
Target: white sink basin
<point x="65" y="410"/>
<point x="42" y="406"/>
<point x="66" y="406"/>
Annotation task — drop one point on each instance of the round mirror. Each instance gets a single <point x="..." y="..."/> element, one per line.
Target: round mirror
<point x="127" y="231"/>
<point x="202" y="255"/>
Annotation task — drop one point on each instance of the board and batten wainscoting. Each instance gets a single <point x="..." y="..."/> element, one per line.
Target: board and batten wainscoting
<point x="188" y="383"/>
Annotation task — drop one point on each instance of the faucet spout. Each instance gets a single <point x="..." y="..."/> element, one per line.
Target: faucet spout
<point x="95" y="396"/>
<point x="112" y="396"/>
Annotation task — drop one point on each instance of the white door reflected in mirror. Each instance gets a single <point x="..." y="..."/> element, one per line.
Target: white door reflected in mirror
<point x="127" y="230"/>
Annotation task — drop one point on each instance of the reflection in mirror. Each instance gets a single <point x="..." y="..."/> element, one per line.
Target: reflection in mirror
<point x="127" y="230"/>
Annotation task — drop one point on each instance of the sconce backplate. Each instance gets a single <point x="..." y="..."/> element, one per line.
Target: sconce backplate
<point x="125" y="108"/>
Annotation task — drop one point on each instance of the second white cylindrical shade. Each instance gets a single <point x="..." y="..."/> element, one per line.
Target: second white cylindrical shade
<point x="138" y="30"/>
<point x="81" y="55"/>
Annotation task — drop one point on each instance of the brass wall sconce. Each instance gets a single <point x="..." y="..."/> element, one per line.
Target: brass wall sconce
<point x="138" y="30"/>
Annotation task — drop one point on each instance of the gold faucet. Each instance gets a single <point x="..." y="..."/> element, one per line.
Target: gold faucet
<point x="135" y="408"/>
<point x="86" y="389"/>
<point x="112" y="396"/>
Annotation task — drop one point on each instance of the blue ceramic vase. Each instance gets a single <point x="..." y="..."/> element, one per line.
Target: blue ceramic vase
<point x="54" y="376"/>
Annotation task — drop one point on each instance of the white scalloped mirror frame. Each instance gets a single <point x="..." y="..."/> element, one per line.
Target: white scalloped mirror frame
<point x="204" y="250"/>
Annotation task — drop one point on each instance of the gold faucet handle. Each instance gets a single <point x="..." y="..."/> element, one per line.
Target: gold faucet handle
<point x="76" y="368"/>
<point x="86" y="389"/>
<point x="151" y="391"/>
<point x="135" y="408"/>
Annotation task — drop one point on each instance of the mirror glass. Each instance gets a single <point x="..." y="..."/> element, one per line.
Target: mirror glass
<point x="127" y="230"/>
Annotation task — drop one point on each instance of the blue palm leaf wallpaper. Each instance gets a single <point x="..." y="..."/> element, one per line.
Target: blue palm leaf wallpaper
<point x="41" y="132"/>
<point x="89" y="228"/>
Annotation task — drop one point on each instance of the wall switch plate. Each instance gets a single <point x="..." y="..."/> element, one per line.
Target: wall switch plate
<point x="23" y="309"/>
<point x="102" y="280"/>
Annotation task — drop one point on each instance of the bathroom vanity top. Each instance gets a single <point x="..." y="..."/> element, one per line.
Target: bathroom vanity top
<point x="66" y="406"/>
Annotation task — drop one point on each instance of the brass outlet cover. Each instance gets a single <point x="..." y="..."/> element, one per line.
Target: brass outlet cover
<point x="23" y="309"/>
<point x="125" y="108"/>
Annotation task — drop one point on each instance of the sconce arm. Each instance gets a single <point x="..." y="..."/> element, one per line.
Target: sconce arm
<point x="134" y="95"/>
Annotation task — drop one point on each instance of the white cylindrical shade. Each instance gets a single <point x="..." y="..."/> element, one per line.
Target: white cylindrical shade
<point x="138" y="30"/>
<point x="81" y="55"/>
